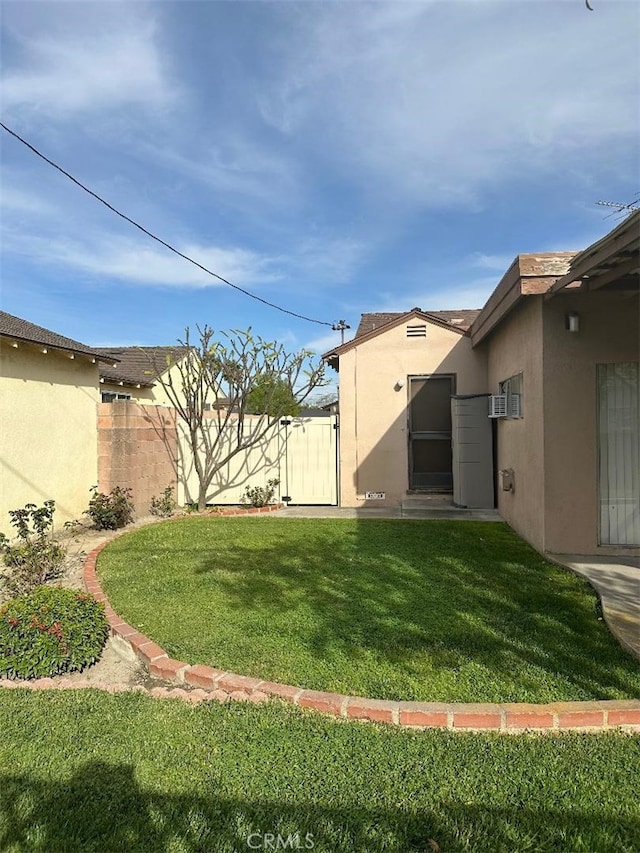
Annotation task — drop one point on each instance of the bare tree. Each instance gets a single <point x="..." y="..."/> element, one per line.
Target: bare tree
<point x="209" y="382"/>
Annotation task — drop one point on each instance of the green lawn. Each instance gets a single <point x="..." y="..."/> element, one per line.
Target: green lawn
<point x="426" y="610"/>
<point x="83" y="771"/>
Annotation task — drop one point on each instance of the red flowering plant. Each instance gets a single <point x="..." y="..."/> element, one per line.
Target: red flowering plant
<point x="50" y="631"/>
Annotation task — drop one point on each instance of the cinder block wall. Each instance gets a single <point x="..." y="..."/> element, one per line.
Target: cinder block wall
<point x="137" y="449"/>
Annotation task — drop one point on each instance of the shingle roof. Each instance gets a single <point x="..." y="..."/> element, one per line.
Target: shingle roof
<point x="139" y="365"/>
<point x="22" y="330"/>
<point x="466" y="316"/>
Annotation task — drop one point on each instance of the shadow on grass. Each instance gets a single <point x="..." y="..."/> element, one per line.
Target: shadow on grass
<point x="460" y="593"/>
<point x="102" y="808"/>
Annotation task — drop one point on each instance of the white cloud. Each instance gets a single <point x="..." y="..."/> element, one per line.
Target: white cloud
<point x="323" y="343"/>
<point x="20" y="201"/>
<point x="472" y="294"/>
<point x="435" y="102"/>
<point x="499" y="263"/>
<point x="84" y="62"/>
<point x="331" y="261"/>
<point x="126" y="259"/>
<point x="237" y="168"/>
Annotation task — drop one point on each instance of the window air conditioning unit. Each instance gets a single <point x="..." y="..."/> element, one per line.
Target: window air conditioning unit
<point x="514" y="405"/>
<point x="498" y="406"/>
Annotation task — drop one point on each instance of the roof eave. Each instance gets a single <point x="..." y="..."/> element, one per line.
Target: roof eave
<point x="332" y="356"/>
<point x="92" y="355"/>
<point x="624" y="238"/>
<point x="528" y="275"/>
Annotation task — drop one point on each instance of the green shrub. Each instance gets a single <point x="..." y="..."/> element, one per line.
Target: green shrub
<point x="165" y="505"/>
<point x="259" y="495"/>
<point x="35" y="558"/>
<point x="108" y="512"/>
<point x="50" y="631"/>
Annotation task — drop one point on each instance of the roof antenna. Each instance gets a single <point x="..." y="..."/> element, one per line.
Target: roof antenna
<point x="621" y="208"/>
<point x="340" y="326"/>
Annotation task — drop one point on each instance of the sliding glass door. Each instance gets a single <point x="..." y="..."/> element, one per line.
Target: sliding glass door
<point x="619" y="453"/>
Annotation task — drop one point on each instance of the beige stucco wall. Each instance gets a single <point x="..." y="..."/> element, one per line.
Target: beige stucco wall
<point x="553" y="449"/>
<point x="141" y="395"/>
<point x="148" y="396"/>
<point x="515" y="346"/>
<point x="373" y="414"/>
<point x="609" y="333"/>
<point x="48" y="431"/>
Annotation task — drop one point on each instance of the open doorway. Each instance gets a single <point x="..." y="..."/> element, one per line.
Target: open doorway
<point x="430" y="460"/>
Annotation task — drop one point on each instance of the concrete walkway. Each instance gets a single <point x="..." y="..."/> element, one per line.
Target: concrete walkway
<point x="617" y="580"/>
<point x="448" y="513"/>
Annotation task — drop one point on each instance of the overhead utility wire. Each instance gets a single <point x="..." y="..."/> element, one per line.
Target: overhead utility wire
<point x="158" y="239"/>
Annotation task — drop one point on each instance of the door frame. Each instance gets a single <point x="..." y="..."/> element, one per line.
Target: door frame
<point x="453" y="377"/>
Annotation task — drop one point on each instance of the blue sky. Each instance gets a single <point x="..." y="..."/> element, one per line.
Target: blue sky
<point x="335" y="158"/>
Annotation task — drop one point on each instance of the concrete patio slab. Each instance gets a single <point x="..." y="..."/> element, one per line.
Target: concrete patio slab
<point x="448" y="513"/>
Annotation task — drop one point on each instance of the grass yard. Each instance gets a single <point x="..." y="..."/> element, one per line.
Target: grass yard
<point x="427" y="610"/>
<point x="87" y="771"/>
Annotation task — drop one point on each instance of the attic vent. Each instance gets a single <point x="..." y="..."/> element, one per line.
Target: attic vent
<point x="417" y="331"/>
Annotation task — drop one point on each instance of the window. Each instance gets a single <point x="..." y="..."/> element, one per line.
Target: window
<point x="110" y="396"/>
<point x="513" y="389"/>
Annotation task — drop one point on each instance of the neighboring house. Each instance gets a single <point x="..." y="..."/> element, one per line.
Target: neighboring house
<point x="137" y="374"/>
<point x="48" y="426"/>
<point x="559" y="338"/>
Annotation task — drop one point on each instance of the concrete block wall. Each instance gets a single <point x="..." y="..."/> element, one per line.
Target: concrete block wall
<point x="137" y="449"/>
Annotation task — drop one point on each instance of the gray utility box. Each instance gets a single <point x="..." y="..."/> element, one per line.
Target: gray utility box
<point x="472" y="450"/>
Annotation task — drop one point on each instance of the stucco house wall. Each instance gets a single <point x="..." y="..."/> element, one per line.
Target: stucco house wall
<point x="515" y="346"/>
<point x="373" y="410"/>
<point x="48" y="430"/>
<point x="151" y="394"/>
<point x="609" y="333"/>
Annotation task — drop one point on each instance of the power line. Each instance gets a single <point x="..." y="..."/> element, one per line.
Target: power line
<point x="154" y="237"/>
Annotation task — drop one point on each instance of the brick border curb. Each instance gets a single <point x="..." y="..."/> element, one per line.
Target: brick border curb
<point x="208" y="683"/>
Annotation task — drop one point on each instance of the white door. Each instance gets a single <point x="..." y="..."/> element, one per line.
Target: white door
<point x="619" y="453"/>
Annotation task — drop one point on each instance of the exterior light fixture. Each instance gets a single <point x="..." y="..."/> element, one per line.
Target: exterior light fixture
<point x="400" y="383"/>
<point x="572" y="322"/>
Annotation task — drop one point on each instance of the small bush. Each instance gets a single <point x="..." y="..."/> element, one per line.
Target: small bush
<point x="259" y="495"/>
<point x="35" y="558"/>
<point x="50" y="631"/>
<point x="165" y="505"/>
<point x="109" y="512"/>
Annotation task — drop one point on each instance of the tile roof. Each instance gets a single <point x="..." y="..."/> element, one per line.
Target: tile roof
<point x="22" y="330"/>
<point x="139" y="365"/>
<point x="369" y="322"/>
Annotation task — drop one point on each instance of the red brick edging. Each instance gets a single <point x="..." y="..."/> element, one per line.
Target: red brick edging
<point x="219" y="685"/>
